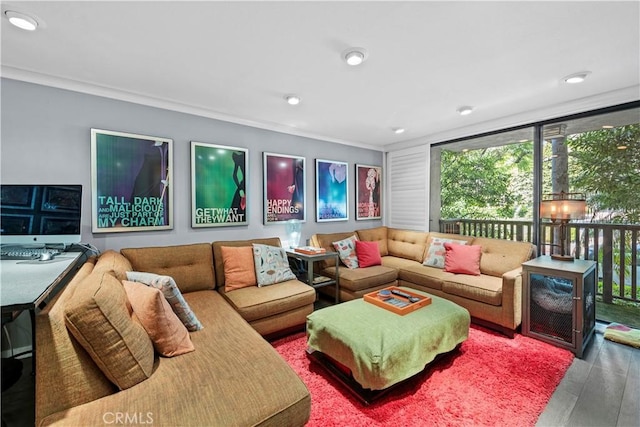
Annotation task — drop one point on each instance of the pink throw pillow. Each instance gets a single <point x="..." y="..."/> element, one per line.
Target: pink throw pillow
<point x="462" y="259"/>
<point x="169" y="336"/>
<point x="368" y="253"/>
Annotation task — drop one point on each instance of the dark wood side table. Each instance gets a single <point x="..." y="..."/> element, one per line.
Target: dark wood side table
<point x="558" y="302"/>
<point x="312" y="278"/>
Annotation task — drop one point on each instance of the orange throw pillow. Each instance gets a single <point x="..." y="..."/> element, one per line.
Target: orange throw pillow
<point x="169" y="336"/>
<point x="368" y="253"/>
<point x="462" y="259"/>
<point x="239" y="270"/>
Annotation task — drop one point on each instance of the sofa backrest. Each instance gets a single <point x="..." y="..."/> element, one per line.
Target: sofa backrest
<point x="218" y="259"/>
<point x="325" y="241"/>
<point x="407" y="244"/>
<point x="113" y="261"/>
<point x="500" y="256"/>
<point x="191" y="266"/>
<point x="377" y="234"/>
<point x="67" y="375"/>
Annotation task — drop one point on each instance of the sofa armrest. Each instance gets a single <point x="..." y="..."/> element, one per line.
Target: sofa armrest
<point x="512" y="297"/>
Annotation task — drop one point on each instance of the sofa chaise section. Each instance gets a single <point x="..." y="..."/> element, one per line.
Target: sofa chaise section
<point x="234" y="376"/>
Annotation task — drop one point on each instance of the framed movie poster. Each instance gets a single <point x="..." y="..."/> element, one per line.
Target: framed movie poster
<point x="284" y="188"/>
<point x="332" y="194"/>
<point x="131" y="179"/>
<point x="218" y="185"/>
<point x="368" y="192"/>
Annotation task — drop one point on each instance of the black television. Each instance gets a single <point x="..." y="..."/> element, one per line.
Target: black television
<point x="40" y="215"/>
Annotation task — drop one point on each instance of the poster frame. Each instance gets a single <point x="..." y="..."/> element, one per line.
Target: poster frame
<point x="108" y="159"/>
<point x="239" y="177"/>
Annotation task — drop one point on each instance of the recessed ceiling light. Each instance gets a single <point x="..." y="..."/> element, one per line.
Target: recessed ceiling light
<point x="292" y="99"/>
<point x="21" y="20"/>
<point x="398" y="130"/>
<point x="465" y="110"/>
<point x="576" y="77"/>
<point x="355" y="55"/>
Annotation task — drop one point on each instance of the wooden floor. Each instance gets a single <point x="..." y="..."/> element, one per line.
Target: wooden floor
<point x="602" y="389"/>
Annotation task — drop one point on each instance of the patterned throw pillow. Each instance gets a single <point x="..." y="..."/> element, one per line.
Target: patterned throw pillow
<point x="173" y="295"/>
<point x="272" y="265"/>
<point x="435" y="254"/>
<point x="347" y="250"/>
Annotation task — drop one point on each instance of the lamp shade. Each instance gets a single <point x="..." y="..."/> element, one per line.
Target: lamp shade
<point x="563" y="206"/>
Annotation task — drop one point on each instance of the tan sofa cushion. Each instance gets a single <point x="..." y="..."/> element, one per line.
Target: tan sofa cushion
<point x="258" y="302"/>
<point x="219" y="259"/>
<point x="113" y="261"/>
<point x="378" y="234"/>
<point x="191" y="266"/>
<point x="500" y="256"/>
<point x="484" y="288"/>
<point x="100" y="317"/>
<point x="429" y="277"/>
<point x="358" y="279"/>
<point x="407" y="244"/>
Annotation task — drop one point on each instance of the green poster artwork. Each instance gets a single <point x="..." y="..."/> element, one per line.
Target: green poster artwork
<point x="218" y="185"/>
<point x="131" y="179"/>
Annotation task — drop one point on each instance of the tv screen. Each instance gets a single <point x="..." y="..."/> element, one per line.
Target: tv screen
<point x="40" y="214"/>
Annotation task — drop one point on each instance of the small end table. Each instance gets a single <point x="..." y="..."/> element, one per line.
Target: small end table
<point x="311" y="276"/>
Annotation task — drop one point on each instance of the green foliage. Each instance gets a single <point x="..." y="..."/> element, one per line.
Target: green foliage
<point x="608" y="174"/>
<point x="491" y="183"/>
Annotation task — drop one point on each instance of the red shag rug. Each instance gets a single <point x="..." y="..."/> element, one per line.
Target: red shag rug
<point x="491" y="380"/>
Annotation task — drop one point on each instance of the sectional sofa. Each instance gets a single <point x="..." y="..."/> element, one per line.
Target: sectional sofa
<point x="96" y="366"/>
<point x="493" y="298"/>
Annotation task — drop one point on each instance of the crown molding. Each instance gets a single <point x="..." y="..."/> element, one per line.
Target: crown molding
<point x="166" y="104"/>
<point x="580" y="105"/>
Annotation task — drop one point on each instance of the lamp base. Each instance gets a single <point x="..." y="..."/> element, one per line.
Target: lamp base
<point x="558" y="257"/>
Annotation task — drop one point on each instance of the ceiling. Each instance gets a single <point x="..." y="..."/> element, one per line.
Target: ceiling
<point x="236" y="61"/>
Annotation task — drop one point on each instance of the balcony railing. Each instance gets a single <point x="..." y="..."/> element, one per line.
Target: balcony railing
<point x="616" y="247"/>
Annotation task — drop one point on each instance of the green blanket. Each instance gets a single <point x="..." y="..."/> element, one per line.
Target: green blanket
<point x="382" y="348"/>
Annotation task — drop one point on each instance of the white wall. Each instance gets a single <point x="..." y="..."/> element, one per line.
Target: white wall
<point x="46" y="140"/>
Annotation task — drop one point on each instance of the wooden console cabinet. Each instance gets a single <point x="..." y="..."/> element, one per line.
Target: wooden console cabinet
<point x="558" y="302"/>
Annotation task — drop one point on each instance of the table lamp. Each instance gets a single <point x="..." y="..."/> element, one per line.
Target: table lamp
<point x="560" y="208"/>
<point x="293" y="228"/>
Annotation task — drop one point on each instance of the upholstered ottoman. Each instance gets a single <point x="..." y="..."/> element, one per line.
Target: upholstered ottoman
<point x="381" y="348"/>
